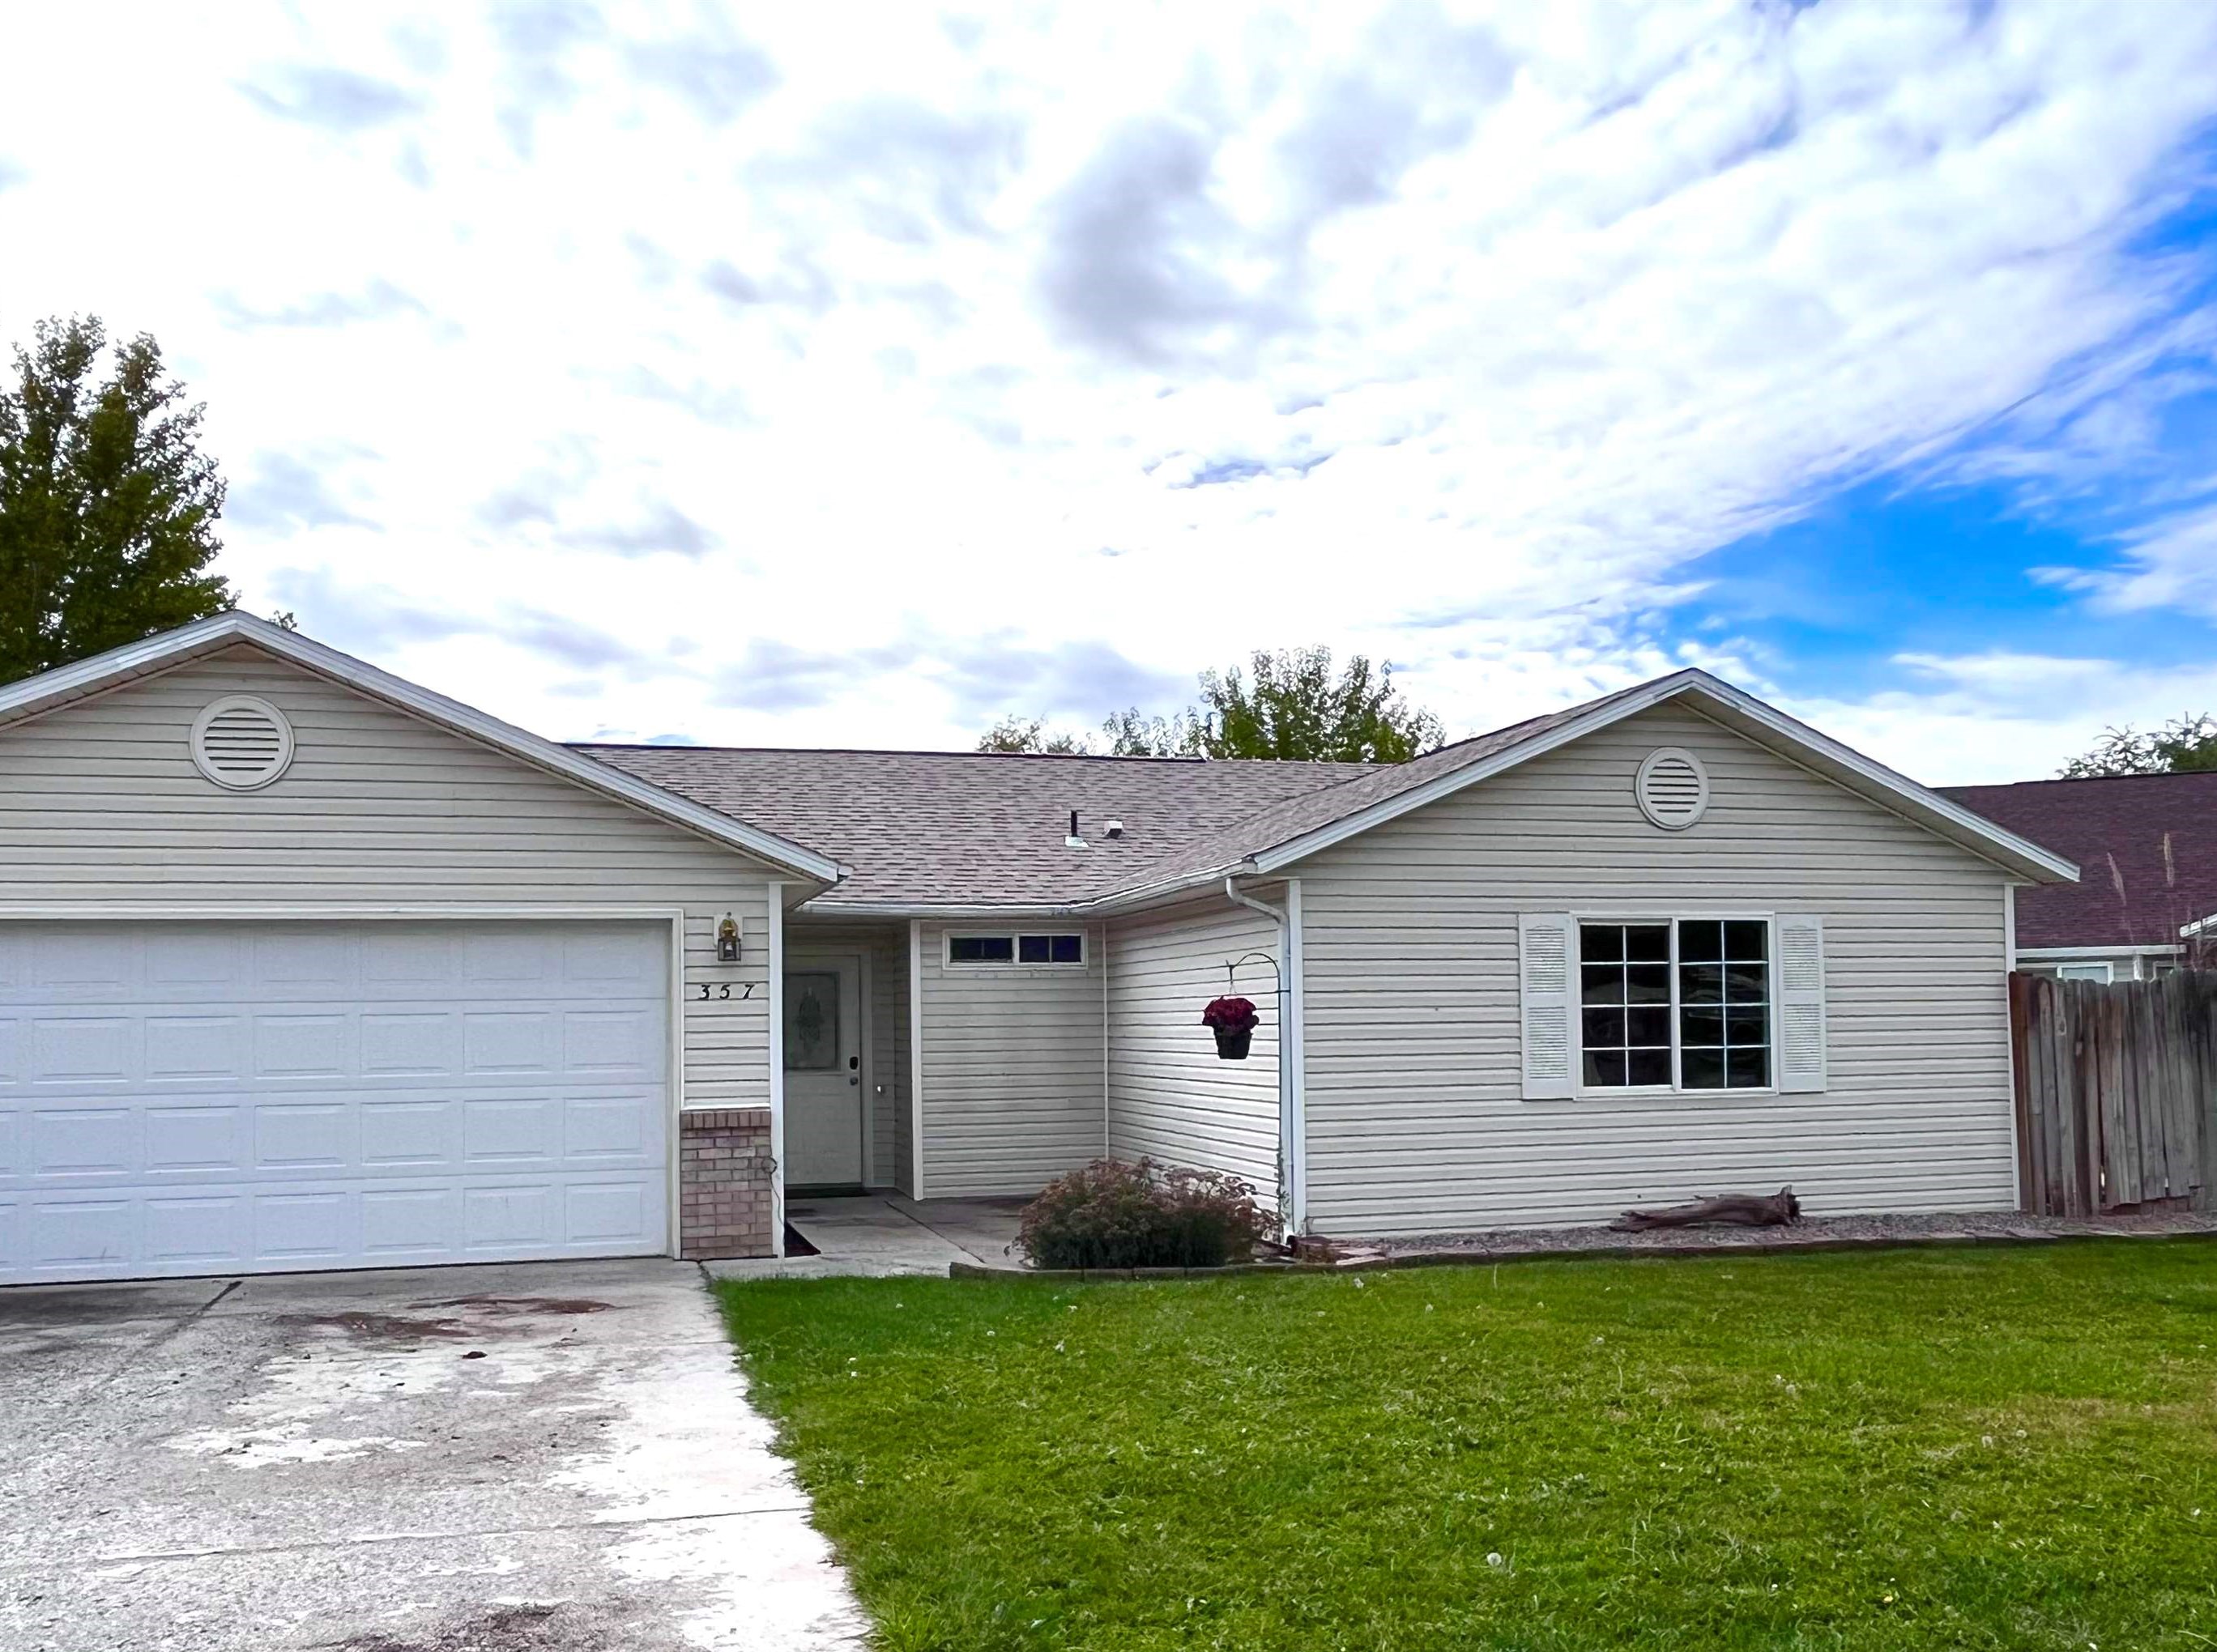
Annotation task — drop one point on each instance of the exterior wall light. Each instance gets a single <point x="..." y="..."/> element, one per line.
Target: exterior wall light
<point x="727" y="940"/>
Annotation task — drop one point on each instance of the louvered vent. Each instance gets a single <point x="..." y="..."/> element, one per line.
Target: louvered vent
<point x="241" y="742"/>
<point x="1673" y="788"/>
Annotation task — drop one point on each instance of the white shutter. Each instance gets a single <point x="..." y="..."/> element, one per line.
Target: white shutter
<point x="1547" y="958"/>
<point x="1800" y="1003"/>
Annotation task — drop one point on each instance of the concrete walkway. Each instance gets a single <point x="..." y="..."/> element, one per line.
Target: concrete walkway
<point x="540" y="1457"/>
<point x="883" y="1234"/>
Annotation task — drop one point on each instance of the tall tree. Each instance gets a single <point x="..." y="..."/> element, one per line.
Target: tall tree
<point x="2183" y="745"/>
<point x="1031" y="734"/>
<point x="107" y="507"/>
<point x="1296" y="708"/>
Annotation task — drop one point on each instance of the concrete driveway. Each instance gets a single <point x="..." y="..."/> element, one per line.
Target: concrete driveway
<point x="499" y="1459"/>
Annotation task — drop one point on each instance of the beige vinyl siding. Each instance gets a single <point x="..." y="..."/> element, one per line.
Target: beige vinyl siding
<point x="886" y="1029"/>
<point x="99" y="802"/>
<point x="1171" y="1098"/>
<point x="1013" y="1083"/>
<point x="1416" y="1122"/>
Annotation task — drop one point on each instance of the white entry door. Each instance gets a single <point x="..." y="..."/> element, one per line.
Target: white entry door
<point x="210" y="1098"/>
<point x="823" y="1071"/>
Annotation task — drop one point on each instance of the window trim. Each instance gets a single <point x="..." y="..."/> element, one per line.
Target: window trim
<point x="1582" y="1091"/>
<point x="1016" y="939"/>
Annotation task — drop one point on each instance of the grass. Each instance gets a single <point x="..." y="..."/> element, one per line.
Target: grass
<point x="1908" y="1449"/>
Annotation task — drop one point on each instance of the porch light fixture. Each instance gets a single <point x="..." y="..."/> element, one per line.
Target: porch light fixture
<point x="727" y="940"/>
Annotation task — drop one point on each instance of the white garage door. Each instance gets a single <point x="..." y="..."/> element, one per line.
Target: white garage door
<point x="201" y="1098"/>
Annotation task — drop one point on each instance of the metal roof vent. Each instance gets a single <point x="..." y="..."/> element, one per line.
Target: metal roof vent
<point x="241" y="742"/>
<point x="1673" y="788"/>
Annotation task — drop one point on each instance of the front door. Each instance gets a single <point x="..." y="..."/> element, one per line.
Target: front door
<point x="823" y="1071"/>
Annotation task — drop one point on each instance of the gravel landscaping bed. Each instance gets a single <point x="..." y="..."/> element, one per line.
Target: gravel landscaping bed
<point x="1810" y="1233"/>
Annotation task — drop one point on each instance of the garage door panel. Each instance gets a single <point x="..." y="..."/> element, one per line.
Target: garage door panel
<point x="615" y="1213"/>
<point x="506" y="1042"/>
<point x="187" y="1048"/>
<point x="612" y="1042"/>
<point x="92" y="1049"/>
<point x="92" y="1233"/>
<point x="412" y="1222"/>
<point x="411" y="1137"/>
<point x="463" y="1092"/>
<point x="78" y="1144"/>
<point x="318" y="1044"/>
<point x="197" y="963"/>
<point x="198" y="1232"/>
<point x="207" y="1141"/>
<point x="307" y="1226"/>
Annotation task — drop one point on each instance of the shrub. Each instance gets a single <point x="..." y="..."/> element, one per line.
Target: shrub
<point x="1112" y="1214"/>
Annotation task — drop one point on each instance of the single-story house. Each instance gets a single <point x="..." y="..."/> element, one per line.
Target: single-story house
<point x="304" y="966"/>
<point x="2148" y="846"/>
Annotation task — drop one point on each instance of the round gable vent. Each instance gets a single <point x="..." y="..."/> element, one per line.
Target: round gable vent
<point x="1673" y="788"/>
<point x="241" y="742"/>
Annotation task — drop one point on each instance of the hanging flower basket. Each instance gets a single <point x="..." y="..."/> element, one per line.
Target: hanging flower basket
<point x="1232" y="1020"/>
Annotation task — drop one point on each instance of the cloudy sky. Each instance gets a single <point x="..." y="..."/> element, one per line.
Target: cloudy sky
<point x="806" y="375"/>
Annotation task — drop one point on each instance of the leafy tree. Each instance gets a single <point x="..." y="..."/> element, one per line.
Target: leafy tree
<point x="1030" y="734"/>
<point x="1296" y="709"/>
<point x="107" y="507"/>
<point x="1131" y="735"/>
<point x="2183" y="745"/>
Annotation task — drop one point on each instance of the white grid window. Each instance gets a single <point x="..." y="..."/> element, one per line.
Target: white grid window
<point x="1684" y="1004"/>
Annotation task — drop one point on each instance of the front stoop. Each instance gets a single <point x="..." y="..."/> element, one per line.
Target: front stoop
<point x="725" y="1202"/>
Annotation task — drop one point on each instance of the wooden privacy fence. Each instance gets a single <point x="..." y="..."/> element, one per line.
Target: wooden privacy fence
<point x="2116" y="1091"/>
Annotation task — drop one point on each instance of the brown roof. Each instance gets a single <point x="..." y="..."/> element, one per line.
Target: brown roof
<point x="923" y="829"/>
<point x="2146" y="849"/>
<point x="938" y="827"/>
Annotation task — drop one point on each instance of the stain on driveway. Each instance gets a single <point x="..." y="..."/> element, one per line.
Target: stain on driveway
<point x="521" y="1459"/>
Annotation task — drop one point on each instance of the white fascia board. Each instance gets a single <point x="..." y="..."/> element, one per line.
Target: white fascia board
<point x="1163" y="892"/>
<point x="54" y="688"/>
<point x="2199" y="926"/>
<point x="1927" y="808"/>
<point x="2160" y="950"/>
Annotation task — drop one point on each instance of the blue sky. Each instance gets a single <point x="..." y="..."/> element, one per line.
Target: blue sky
<point x="742" y="374"/>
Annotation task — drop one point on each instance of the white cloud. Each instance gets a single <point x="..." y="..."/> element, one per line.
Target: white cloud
<point x="883" y="362"/>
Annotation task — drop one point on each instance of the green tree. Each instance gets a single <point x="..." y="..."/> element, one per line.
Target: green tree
<point x="107" y="507"/>
<point x="1031" y="734"/>
<point x="2183" y="745"/>
<point x="1296" y="709"/>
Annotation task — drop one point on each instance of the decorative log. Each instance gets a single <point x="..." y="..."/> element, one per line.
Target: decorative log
<point x="1744" y="1210"/>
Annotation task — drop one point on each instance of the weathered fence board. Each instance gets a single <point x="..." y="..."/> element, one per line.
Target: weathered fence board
<point x="2116" y="1091"/>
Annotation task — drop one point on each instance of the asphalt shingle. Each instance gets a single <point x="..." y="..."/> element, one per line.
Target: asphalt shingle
<point x="2146" y="849"/>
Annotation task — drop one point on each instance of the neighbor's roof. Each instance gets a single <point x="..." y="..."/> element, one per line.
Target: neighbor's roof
<point x="935" y="829"/>
<point x="2147" y="844"/>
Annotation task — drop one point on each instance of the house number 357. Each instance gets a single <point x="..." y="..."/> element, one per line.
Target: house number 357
<point x="723" y="990"/>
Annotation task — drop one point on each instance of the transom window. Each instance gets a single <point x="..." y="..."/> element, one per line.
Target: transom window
<point x="1677" y="1005"/>
<point x="1030" y="949"/>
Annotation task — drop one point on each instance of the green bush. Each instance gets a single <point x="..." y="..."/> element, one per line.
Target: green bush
<point x="1112" y="1214"/>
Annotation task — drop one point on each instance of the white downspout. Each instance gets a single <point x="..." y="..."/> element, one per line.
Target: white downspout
<point x="1293" y="1142"/>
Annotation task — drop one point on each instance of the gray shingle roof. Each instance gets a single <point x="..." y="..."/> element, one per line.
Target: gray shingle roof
<point x="939" y="828"/>
<point x="932" y="828"/>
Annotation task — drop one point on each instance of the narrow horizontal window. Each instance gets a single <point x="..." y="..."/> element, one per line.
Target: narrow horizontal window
<point x="1033" y="950"/>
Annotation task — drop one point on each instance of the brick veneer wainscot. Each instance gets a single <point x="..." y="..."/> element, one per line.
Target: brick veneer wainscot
<point x="724" y="1167"/>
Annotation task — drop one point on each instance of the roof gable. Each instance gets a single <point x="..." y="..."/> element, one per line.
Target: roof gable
<point x="1277" y="839"/>
<point x="52" y="691"/>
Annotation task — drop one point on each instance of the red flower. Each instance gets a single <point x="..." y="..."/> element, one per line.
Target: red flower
<point x="1232" y="1015"/>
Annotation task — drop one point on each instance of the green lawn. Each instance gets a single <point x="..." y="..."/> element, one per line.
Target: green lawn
<point x="1899" y="1450"/>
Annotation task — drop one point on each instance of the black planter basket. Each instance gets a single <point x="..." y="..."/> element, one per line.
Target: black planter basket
<point x="1232" y="1043"/>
